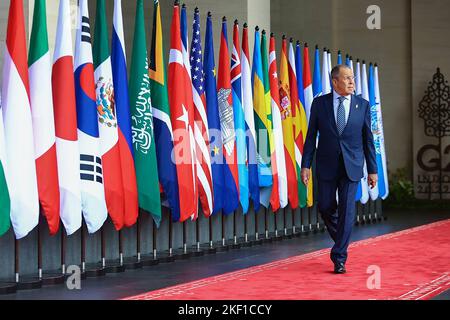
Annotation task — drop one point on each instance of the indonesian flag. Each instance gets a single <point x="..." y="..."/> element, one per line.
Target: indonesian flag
<point x="43" y="121"/>
<point x="182" y="116"/>
<point x="21" y="165"/>
<point x="64" y="107"/>
<point x="279" y="160"/>
<point x="107" y="120"/>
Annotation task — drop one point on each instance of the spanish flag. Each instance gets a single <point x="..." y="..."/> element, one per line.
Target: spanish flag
<point x="288" y="129"/>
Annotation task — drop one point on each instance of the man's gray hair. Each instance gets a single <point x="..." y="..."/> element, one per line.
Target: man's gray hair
<point x="337" y="69"/>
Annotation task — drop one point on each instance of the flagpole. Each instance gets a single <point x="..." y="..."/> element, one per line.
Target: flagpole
<point x="154" y="234"/>
<point x="358" y="205"/>
<point x="210" y="234"/>
<point x="54" y="277"/>
<point x="83" y="248"/>
<point x="138" y="236"/>
<point x="256" y="227"/>
<point x="302" y="213"/>
<point x="170" y="236"/>
<point x="39" y="249"/>
<point x="16" y="260"/>
<point x="309" y="218"/>
<point x="113" y="267"/>
<point x="317" y="219"/>
<point x="284" y="221"/>
<point x="63" y="252"/>
<point x="245" y="228"/>
<point x="211" y="248"/>
<point x="236" y="245"/>
<point x="120" y="248"/>
<point x="265" y="224"/>
<point x="103" y="247"/>
<point x="184" y="235"/>
<point x="197" y="234"/>
<point x="234" y="230"/>
<point x="224" y="247"/>
<point x="198" y="251"/>
<point x="293" y="222"/>
<point x="185" y="254"/>
<point x="276" y="226"/>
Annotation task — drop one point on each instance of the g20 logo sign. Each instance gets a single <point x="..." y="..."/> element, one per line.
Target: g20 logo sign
<point x="429" y="158"/>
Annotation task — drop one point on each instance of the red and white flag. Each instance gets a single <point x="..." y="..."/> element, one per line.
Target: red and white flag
<point x="21" y="165"/>
<point x="182" y="116"/>
<point x="65" y="113"/>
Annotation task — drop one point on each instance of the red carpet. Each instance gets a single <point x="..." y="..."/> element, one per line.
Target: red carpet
<point x="414" y="265"/>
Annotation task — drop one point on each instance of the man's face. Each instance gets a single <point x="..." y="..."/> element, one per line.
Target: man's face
<point x="345" y="83"/>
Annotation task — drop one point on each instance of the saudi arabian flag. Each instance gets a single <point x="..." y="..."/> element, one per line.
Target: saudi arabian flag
<point x="5" y="204"/>
<point x="142" y="122"/>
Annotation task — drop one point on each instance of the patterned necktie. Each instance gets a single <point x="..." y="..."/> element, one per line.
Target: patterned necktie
<point x="341" y="116"/>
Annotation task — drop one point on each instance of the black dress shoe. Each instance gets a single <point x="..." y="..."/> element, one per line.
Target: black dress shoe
<point x="339" y="268"/>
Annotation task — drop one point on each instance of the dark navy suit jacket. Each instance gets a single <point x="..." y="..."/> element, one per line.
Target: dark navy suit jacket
<point x="355" y="143"/>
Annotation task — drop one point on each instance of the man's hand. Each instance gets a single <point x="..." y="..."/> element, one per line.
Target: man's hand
<point x="305" y="175"/>
<point x="372" y="180"/>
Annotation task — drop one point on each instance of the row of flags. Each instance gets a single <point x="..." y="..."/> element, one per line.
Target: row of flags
<point x="79" y="140"/>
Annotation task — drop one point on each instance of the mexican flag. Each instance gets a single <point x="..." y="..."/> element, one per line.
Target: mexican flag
<point x="107" y="120"/>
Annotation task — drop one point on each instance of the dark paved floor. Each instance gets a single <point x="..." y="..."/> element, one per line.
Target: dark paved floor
<point x="115" y="286"/>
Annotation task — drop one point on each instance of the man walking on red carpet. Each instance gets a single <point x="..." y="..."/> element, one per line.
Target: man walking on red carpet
<point x="343" y="123"/>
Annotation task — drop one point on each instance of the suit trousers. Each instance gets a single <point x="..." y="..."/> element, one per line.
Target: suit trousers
<point x="338" y="214"/>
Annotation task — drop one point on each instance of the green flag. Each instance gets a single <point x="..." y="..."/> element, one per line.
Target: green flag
<point x="142" y="122"/>
<point x="5" y="203"/>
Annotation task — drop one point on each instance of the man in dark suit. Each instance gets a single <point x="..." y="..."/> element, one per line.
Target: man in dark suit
<point x="343" y="123"/>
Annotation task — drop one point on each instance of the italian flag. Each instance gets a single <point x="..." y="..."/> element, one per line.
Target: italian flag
<point x="40" y="72"/>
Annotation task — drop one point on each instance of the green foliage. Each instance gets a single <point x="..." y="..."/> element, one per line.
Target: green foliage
<point x="401" y="194"/>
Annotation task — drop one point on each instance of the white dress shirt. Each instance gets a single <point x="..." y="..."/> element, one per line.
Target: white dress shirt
<point x="346" y="105"/>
